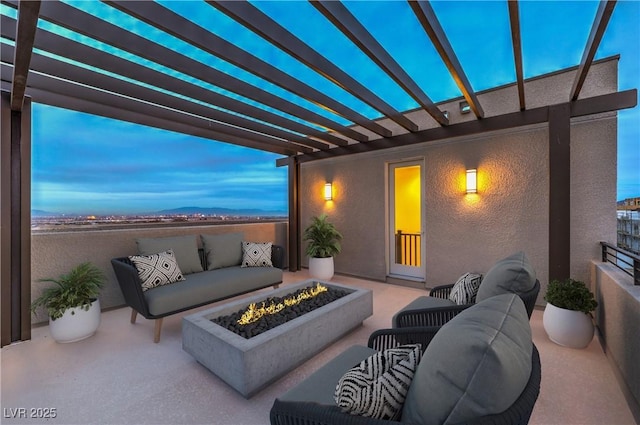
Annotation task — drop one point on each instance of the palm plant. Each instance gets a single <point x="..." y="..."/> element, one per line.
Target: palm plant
<point x="78" y="288"/>
<point x="323" y="237"/>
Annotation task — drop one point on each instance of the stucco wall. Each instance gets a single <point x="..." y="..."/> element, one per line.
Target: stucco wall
<point x="510" y="212"/>
<point x="55" y="253"/>
<point x="618" y="320"/>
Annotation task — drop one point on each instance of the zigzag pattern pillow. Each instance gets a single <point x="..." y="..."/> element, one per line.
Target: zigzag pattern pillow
<point x="256" y="254"/>
<point x="377" y="387"/>
<point x="157" y="269"/>
<point x="464" y="291"/>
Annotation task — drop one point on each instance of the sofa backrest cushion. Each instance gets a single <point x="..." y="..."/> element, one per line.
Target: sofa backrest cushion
<point x="224" y="250"/>
<point x="478" y="364"/>
<point x="185" y="248"/>
<point x="513" y="274"/>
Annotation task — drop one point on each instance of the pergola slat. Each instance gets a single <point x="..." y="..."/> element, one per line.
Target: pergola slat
<point x="514" y="21"/>
<point x="605" y="10"/>
<point x="24" y="37"/>
<point x="427" y="17"/>
<point x="164" y="19"/>
<point x="62" y="46"/>
<point x="56" y="92"/>
<point x="340" y="16"/>
<point x="91" y="26"/>
<point x="258" y="22"/>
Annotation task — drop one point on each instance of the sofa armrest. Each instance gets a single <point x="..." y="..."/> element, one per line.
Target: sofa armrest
<point x="383" y="339"/>
<point x="307" y="413"/>
<point x="277" y="256"/>
<point x="130" y="285"/>
<point x="442" y="291"/>
<point x="434" y="316"/>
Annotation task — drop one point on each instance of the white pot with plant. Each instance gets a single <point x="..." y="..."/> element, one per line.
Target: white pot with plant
<point x="72" y="304"/>
<point x="567" y="317"/>
<point x="324" y="244"/>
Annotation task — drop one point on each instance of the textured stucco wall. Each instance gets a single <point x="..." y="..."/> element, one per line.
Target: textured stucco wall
<point x="618" y="320"/>
<point x="55" y="253"/>
<point x="510" y="212"/>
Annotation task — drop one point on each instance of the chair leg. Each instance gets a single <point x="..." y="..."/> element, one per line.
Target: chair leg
<point x="276" y="286"/>
<point x="134" y="314"/>
<point x="158" y="328"/>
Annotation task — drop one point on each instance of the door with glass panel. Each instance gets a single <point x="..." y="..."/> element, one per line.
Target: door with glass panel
<point x="406" y="223"/>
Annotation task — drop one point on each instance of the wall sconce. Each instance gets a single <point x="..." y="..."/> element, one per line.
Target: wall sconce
<point x="464" y="107"/>
<point x="328" y="192"/>
<point x="472" y="180"/>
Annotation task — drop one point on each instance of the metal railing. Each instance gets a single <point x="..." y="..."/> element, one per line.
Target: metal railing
<point x="408" y="248"/>
<point x="625" y="260"/>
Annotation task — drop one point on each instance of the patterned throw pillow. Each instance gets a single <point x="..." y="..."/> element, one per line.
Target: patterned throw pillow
<point x="465" y="289"/>
<point x="377" y="387"/>
<point x="157" y="269"/>
<point x="256" y="254"/>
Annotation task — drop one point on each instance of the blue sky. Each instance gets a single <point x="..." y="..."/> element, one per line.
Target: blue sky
<point x="92" y="165"/>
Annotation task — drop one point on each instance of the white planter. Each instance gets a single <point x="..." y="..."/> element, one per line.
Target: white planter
<point x="76" y="324"/>
<point x="321" y="268"/>
<point x="568" y="328"/>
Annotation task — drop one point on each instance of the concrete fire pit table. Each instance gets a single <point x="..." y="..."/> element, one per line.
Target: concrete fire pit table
<point x="249" y="365"/>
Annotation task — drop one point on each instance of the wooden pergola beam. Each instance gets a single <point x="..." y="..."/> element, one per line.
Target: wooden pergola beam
<point x="605" y="10"/>
<point x="593" y="105"/>
<point x="340" y="16"/>
<point x="24" y="37"/>
<point x="427" y="18"/>
<point x="514" y="21"/>
<point x="258" y="22"/>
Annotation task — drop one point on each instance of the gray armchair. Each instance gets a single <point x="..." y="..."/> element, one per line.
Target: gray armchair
<point x="512" y="274"/>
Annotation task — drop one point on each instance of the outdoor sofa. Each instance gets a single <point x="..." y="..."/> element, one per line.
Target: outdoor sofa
<point x="480" y="368"/>
<point x="215" y="272"/>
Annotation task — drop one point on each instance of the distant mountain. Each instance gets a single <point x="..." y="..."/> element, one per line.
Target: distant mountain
<point x="42" y="213"/>
<point x="220" y="211"/>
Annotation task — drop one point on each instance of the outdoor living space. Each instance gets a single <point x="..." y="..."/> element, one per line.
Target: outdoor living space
<point x="119" y="376"/>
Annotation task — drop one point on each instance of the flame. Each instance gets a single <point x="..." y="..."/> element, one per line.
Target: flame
<point x="255" y="313"/>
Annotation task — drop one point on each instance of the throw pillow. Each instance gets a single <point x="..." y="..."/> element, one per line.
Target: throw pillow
<point x="256" y="254"/>
<point x="465" y="289"/>
<point x="377" y="387"/>
<point x="157" y="269"/>
<point x="224" y="250"/>
<point x="185" y="249"/>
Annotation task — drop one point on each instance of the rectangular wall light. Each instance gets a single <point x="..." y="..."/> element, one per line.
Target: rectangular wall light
<point x="328" y="192"/>
<point x="472" y="180"/>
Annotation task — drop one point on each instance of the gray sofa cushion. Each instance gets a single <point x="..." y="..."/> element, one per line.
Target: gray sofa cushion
<point x="200" y="288"/>
<point x="321" y="385"/>
<point x="455" y="381"/>
<point x="185" y="248"/>
<point x="223" y="250"/>
<point x="420" y="303"/>
<point x="513" y="274"/>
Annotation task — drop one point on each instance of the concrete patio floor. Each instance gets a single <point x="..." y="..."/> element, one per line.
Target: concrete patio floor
<point x="119" y="376"/>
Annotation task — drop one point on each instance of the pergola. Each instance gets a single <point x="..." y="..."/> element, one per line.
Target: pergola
<point x="180" y="93"/>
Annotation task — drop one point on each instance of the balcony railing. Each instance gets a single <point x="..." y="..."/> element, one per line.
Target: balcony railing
<point x="625" y="260"/>
<point x="408" y="248"/>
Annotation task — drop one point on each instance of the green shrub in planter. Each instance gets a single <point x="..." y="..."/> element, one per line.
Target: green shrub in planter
<point x="571" y="295"/>
<point x="78" y="288"/>
<point x="324" y="238"/>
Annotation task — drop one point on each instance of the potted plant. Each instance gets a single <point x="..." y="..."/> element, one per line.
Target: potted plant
<point x="567" y="317"/>
<point x="72" y="303"/>
<point x="324" y="243"/>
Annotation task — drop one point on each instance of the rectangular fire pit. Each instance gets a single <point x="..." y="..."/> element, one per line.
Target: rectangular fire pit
<point x="249" y="365"/>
